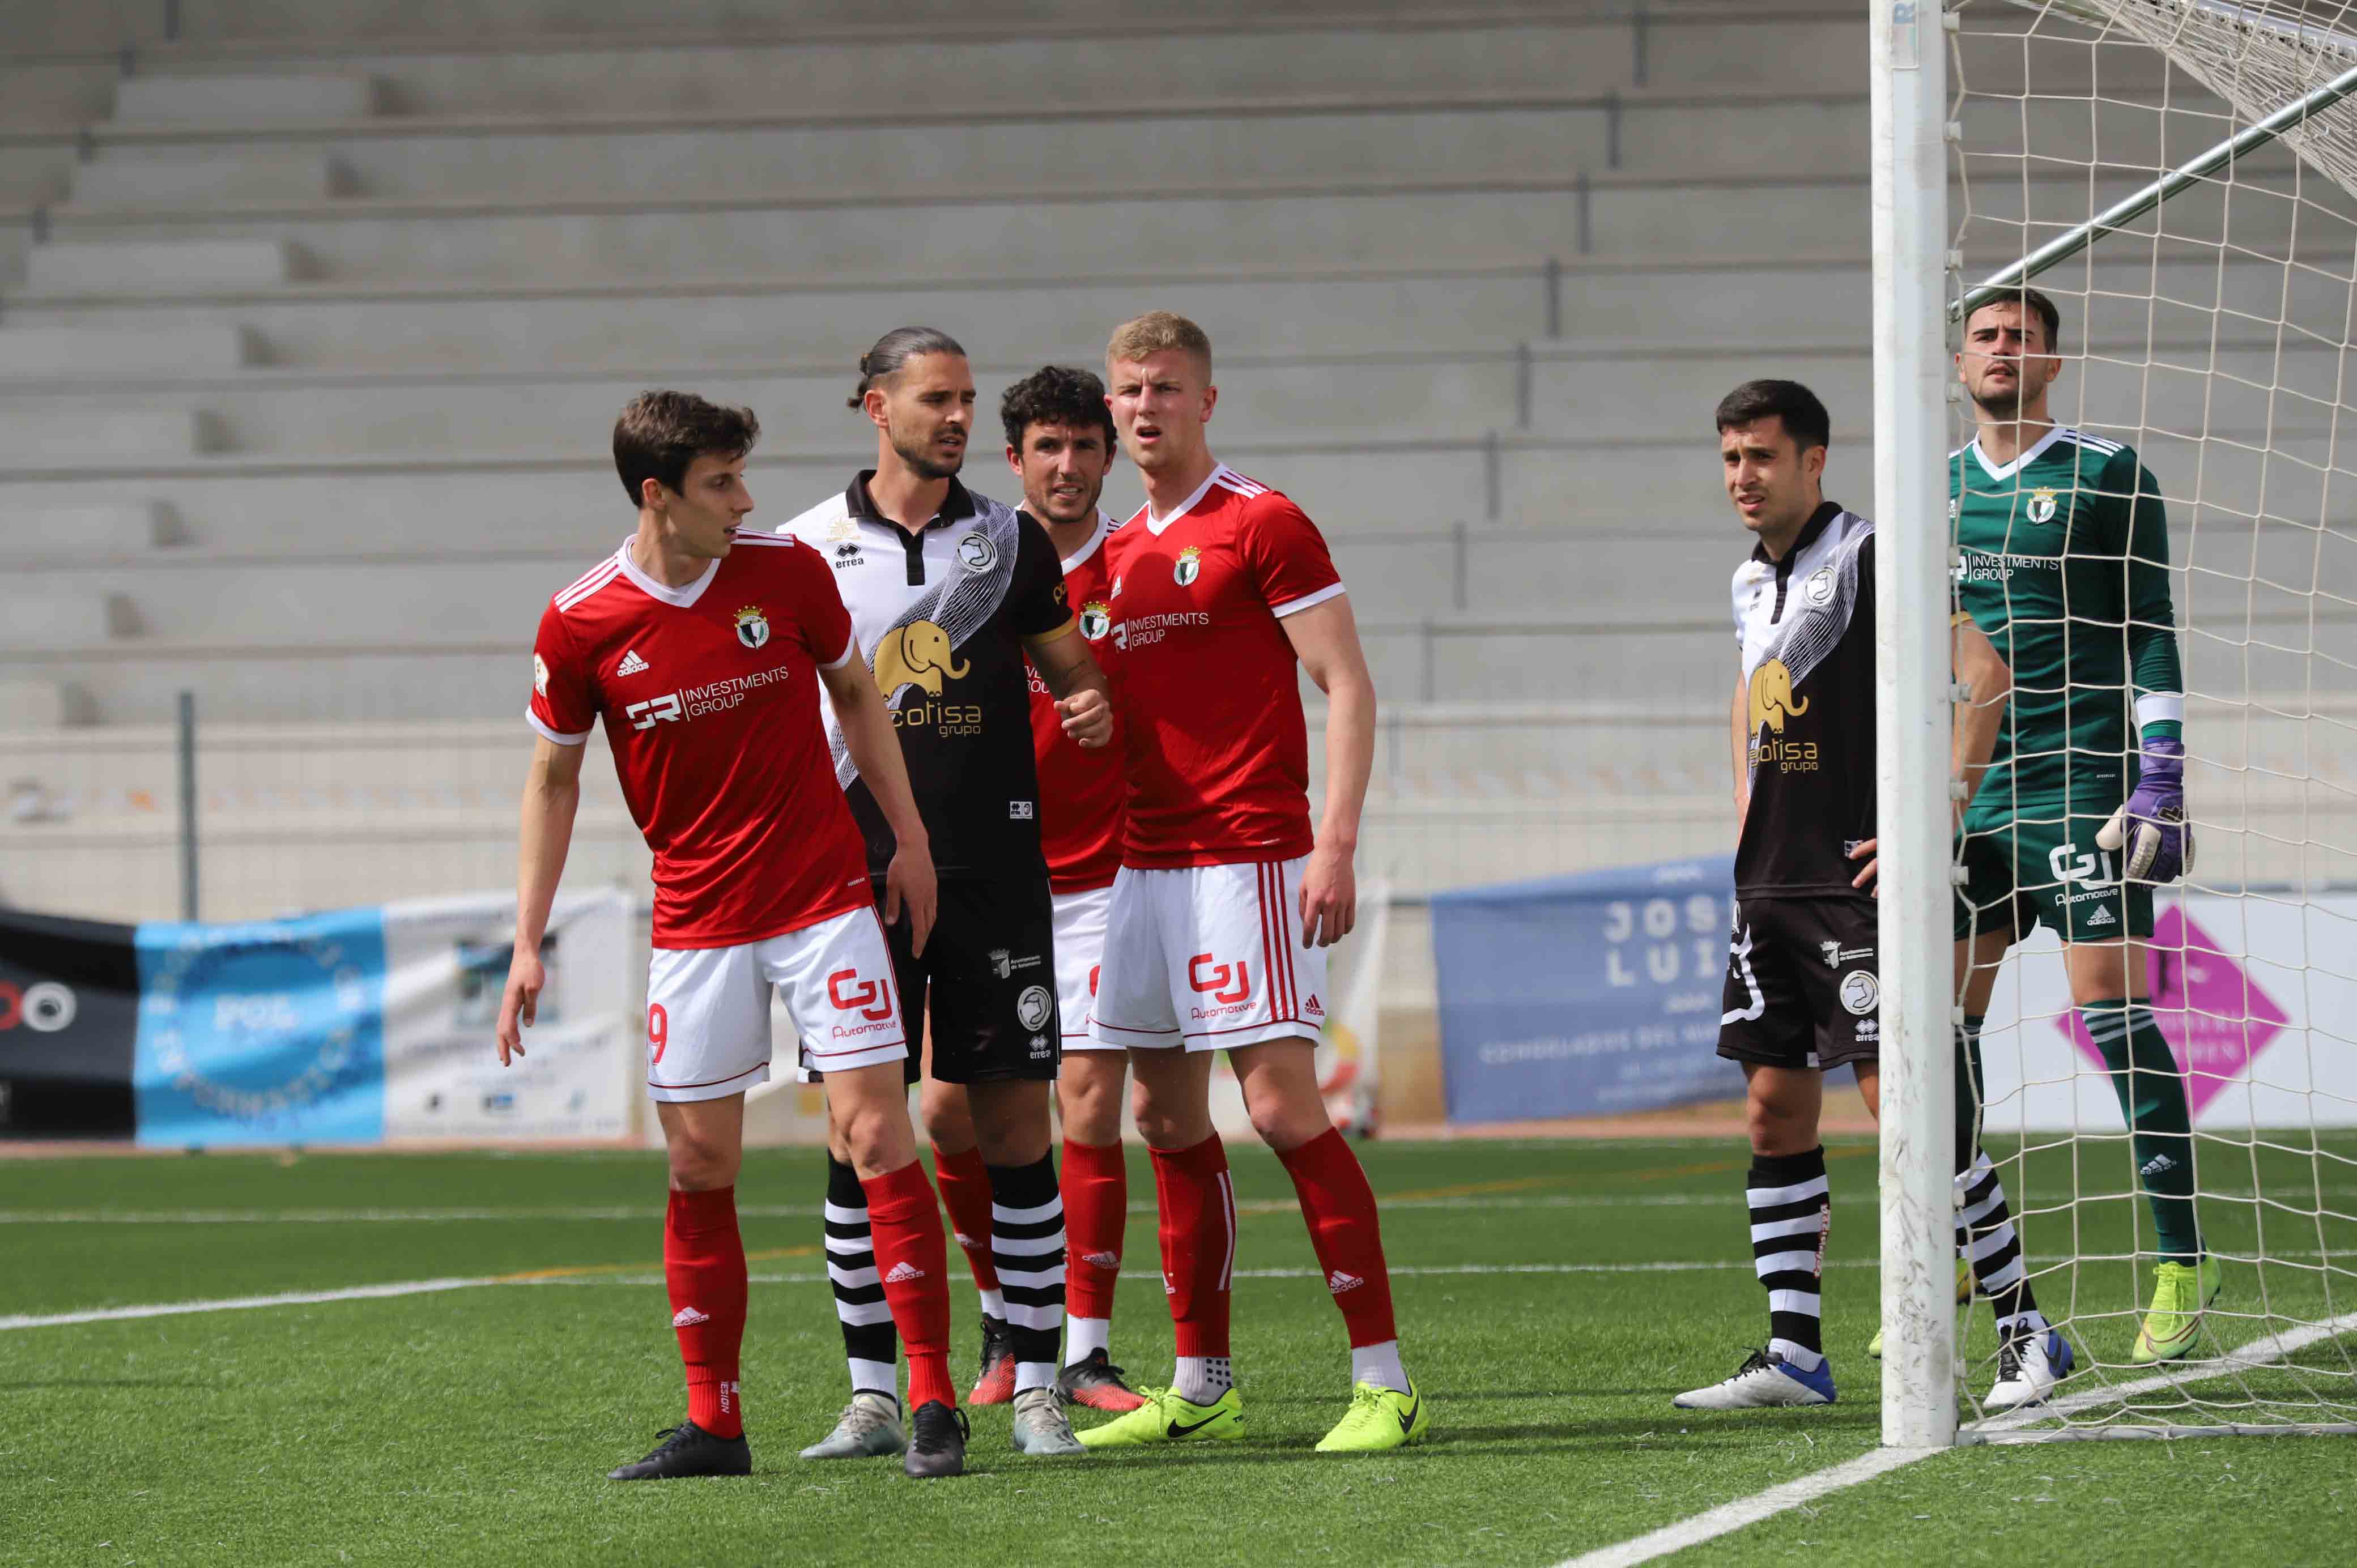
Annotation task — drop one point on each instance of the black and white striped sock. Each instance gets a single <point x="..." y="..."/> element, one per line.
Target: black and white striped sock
<point x="1985" y="1233"/>
<point x="1026" y="1248"/>
<point x="1791" y="1212"/>
<point x="869" y="1342"/>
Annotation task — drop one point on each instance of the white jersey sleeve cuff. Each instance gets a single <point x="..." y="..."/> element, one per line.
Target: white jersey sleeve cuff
<point x="2161" y="707"/>
<point x="559" y="736"/>
<point x="1295" y="607"/>
<point x="850" y="646"/>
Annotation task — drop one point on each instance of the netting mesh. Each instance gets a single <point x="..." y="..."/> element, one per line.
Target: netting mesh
<point x="2211" y="339"/>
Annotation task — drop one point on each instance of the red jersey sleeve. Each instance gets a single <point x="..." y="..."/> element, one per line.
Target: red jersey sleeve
<point x="564" y="706"/>
<point x="825" y="623"/>
<point x="1285" y="554"/>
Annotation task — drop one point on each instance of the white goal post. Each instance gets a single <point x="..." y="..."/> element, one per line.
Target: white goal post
<point x="2180" y="176"/>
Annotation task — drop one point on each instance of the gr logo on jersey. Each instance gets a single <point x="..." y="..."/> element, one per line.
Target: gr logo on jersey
<point x="752" y="626"/>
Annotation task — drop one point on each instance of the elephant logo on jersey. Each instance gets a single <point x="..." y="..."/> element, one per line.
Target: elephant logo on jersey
<point x="1190" y="566"/>
<point x="1096" y="619"/>
<point x="1771" y="696"/>
<point x="2041" y="506"/>
<point x="917" y="654"/>
<point x="752" y="626"/>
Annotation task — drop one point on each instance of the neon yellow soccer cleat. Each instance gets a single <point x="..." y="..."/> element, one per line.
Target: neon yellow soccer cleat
<point x="2174" y="1319"/>
<point x="1964" y="1298"/>
<point x="1167" y="1418"/>
<point x="1379" y="1419"/>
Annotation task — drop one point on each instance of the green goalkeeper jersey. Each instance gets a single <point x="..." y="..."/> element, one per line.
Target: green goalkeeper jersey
<point x="2064" y="563"/>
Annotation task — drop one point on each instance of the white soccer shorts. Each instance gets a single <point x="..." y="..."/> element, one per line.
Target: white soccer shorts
<point x="1079" y="921"/>
<point x="1209" y="958"/>
<point x="708" y="1008"/>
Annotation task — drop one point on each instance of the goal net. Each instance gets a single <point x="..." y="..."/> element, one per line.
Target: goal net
<point x="2179" y="178"/>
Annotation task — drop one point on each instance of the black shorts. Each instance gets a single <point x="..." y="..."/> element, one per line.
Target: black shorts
<point x="989" y="970"/>
<point x="1802" y="988"/>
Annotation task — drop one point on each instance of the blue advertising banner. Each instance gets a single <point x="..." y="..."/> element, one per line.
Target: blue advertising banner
<point x="269" y="1032"/>
<point x="1590" y="996"/>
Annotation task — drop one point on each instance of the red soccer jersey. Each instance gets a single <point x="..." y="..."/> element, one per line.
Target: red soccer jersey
<point x="710" y="698"/>
<point x="1079" y="790"/>
<point x="1206" y="689"/>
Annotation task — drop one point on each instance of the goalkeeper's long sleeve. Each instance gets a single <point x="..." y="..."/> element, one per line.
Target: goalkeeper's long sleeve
<point x="2155" y="676"/>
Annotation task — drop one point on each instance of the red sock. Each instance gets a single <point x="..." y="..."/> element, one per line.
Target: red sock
<point x="965" y="1193"/>
<point x="913" y="1260"/>
<point x="1343" y="1227"/>
<point x="704" y="1265"/>
<point x="1198" y="1242"/>
<point x="1096" y="1210"/>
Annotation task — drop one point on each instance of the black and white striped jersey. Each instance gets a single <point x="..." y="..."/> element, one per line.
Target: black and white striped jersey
<point x="941" y="617"/>
<point x="1805" y="626"/>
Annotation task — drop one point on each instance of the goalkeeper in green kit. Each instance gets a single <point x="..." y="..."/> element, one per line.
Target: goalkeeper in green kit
<point x="2064" y="564"/>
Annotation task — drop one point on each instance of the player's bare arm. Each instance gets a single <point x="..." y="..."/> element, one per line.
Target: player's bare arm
<point x="1982" y="670"/>
<point x="867" y="734"/>
<point x="1082" y="695"/>
<point x="1325" y="638"/>
<point x="1739" y="727"/>
<point x="552" y="794"/>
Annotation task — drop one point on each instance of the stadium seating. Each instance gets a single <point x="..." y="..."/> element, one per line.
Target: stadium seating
<point x="312" y="320"/>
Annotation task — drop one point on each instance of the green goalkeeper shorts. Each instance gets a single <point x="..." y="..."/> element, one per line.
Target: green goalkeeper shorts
<point x="2038" y="868"/>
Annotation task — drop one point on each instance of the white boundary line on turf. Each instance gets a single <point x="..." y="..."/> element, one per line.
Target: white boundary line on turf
<point x="2264" y="1352"/>
<point x="240" y="1302"/>
<point x="1501" y="1202"/>
<point x="1727" y="1518"/>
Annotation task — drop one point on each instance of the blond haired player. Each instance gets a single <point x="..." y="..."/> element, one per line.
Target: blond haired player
<point x="1226" y="901"/>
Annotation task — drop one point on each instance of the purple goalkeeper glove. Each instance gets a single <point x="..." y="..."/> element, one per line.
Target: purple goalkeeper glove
<point x="2152" y="824"/>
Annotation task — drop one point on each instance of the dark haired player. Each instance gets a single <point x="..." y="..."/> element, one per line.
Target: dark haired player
<point x="702" y="647"/>
<point x="950" y="593"/>
<point x="1803" y="987"/>
<point x="2065" y="564"/>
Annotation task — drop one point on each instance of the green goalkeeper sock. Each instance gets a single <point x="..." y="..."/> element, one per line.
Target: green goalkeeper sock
<point x="2152" y="1098"/>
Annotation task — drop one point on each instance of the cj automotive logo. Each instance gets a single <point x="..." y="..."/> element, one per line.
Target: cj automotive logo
<point x="866" y="998"/>
<point x="1211" y="979"/>
<point x="44" y="1007"/>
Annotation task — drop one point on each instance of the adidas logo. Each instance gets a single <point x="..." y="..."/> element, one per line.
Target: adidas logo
<point x="1312" y="1008"/>
<point x="2102" y="916"/>
<point x="902" y="1272"/>
<point x="2159" y="1165"/>
<point x="1337" y="1281"/>
<point x="963" y="1239"/>
<point x="687" y="1317"/>
<point x="1102" y="1260"/>
<point x="631" y="664"/>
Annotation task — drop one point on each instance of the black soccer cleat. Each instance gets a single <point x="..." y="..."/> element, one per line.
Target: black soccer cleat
<point x="1095" y="1381"/>
<point x="994" y="1384"/>
<point x="688" y="1450"/>
<point x="937" y="1437"/>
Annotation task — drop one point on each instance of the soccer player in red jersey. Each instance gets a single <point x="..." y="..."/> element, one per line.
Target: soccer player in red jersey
<point x="702" y="647"/>
<point x="1059" y="443"/>
<point x="1226" y="901"/>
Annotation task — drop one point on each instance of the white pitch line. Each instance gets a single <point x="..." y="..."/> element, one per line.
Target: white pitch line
<point x="810" y="1212"/>
<point x="240" y="1302"/>
<point x="1728" y="1518"/>
<point x="2265" y="1350"/>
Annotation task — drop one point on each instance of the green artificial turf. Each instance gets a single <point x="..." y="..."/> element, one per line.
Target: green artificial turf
<point x="476" y="1425"/>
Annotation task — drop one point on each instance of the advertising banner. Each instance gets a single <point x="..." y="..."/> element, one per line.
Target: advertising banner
<point x="359" y="1026"/>
<point x="68" y="1014"/>
<point x="2256" y="996"/>
<point x="1590" y="996"/>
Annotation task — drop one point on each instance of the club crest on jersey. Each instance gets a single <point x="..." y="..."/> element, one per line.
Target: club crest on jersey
<point x="1188" y="567"/>
<point x="1096" y="619"/>
<point x="752" y="626"/>
<point x="2041" y="506"/>
<point x="975" y="553"/>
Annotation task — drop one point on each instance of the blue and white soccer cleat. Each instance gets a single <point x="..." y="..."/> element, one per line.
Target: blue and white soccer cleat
<point x="1763" y="1380"/>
